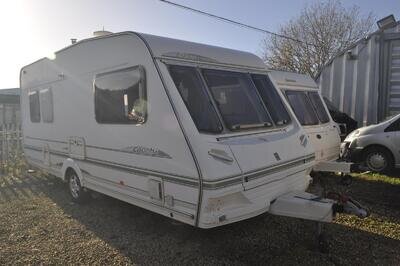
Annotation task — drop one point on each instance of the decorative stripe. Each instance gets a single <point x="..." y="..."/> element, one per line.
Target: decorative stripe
<point x="276" y="180"/>
<point x="138" y="150"/>
<point x="49" y="140"/>
<point x="278" y="168"/>
<point x="126" y="168"/>
<point x="192" y="182"/>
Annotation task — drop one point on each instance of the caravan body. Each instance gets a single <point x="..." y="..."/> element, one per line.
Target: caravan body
<point x="175" y="127"/>
<point x="303" y="96"/>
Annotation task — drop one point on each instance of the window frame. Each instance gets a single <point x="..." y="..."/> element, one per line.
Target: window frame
<point x="255" y="76"/>
<point x="221" y="116"/>
<point x="315" y="108"/>
<point x="197" y="71"/>
<point x="142" y="90"/>
<point x="31" y="93"/>
<point x="226" y="131"/>
<point x="305" y="92"/>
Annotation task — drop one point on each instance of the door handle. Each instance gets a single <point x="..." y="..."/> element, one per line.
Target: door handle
<point x="220" y="154"/>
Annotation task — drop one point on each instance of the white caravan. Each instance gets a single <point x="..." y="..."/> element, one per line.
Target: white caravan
<point x="304" y="98"/>
<point x="175" y="127"/>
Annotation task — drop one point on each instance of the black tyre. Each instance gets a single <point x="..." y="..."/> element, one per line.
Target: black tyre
<point x="75" y="188"/>
<point x="378" y="159"/>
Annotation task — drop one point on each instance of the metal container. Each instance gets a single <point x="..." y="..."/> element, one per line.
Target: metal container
<point x="364" y="80"/>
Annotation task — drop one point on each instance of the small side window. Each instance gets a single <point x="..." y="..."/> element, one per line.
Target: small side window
<point x="46" y="103"/>
<point x="120" y="96"/>
<point x="34" y="106"/>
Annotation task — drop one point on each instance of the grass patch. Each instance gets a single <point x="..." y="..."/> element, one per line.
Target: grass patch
<point x="376" y="177"/>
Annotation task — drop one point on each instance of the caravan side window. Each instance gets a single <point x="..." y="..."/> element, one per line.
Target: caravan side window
<point x="34" y="106"/>
<point x="46" y="103"/>
<point x="120" y="96"/>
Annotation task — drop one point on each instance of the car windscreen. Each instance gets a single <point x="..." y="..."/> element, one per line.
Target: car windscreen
<point x="302" y="107"/>
<point x="271" y="99"/>
<point x="237" y="100"/>
<point x="188" y="82"/>
<point x="319" y="107"/>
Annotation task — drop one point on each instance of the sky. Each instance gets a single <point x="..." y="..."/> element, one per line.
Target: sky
<point x="32" y="29"/>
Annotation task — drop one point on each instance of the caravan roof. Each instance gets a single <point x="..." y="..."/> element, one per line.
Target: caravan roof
<point x="173" y="48"/>
<point x="169" y="48"/>
<point x="283" y="78"/>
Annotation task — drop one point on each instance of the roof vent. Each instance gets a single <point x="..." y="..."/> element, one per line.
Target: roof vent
<point x="100" y="33"/>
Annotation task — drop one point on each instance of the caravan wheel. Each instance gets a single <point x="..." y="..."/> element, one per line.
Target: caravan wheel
<point x="75" y="189"/>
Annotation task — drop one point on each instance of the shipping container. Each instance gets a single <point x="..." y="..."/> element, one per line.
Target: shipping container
<point x="364" y="80"/>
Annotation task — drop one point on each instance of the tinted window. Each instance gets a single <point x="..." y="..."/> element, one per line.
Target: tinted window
<point x="319" y="107"/>
<point x="395" y="126"/>
<point x="120" y="96"/>
<point x="193" y="93"/>
<point x="271" y="99"/>
<point x="46" y="104"/>
<point x="34" y="106"/>
<point x="237" y="99"/>
<point x="302" y="108"/>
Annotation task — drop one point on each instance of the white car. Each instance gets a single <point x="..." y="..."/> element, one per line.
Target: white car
<point x="377" y="146"/>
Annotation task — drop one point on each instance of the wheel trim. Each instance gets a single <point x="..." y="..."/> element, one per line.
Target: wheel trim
<point x="376" y="161"/>
<point x="74" y="186"/>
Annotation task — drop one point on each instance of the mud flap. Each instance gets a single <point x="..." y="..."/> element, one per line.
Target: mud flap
<point x="303" y="205"/>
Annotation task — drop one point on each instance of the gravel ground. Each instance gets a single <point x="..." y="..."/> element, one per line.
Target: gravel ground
<point x="40" y="225"/>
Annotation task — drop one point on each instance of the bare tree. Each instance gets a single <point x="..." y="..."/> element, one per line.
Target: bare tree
<point x="320" y="31"/>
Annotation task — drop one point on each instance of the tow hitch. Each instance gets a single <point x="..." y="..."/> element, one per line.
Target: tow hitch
<point x="345" y="204"/>
<point x="308" y="206"/>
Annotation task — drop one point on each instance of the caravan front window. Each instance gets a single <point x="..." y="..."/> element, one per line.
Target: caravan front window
<point x="236" y="99"/>
<point x="193" y="93"/>
<point x="120" y="96"/>
<point x="319" y="107"/>
<point x="301" y="106"/>
<point x="271" y="99"/>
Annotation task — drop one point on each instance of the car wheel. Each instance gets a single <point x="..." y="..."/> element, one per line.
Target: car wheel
<point x="75" y="188"/>
<point x="378" y="160"/>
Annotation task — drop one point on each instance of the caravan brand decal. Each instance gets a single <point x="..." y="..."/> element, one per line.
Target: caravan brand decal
<point x="140" y="150"/>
